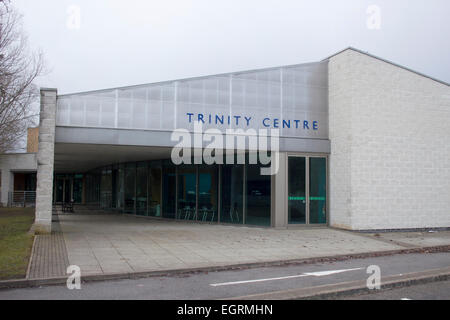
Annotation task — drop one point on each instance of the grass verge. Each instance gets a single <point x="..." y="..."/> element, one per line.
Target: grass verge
<point x="15" y="242"/>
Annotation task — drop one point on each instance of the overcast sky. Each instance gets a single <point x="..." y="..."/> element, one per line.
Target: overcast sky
<point x="118" y="43"/>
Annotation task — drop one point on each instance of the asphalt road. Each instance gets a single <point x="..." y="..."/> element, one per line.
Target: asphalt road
<point x="227" y="284"/>
<point x="428" y="291"/>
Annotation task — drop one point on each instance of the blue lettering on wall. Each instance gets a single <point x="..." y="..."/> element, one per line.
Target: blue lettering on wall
<point x="315" y="125"/>
<point x="219" y="119"/>
<point x="275" y="123"/>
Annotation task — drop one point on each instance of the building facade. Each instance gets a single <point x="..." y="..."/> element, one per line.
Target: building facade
<point x="362" y="144"/>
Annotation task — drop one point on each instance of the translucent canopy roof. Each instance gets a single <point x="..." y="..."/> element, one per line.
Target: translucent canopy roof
<point x="298" y="92"/>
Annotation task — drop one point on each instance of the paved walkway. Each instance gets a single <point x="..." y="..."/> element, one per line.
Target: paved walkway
<point x="49" y="257"/>
<point x="117" y="244"/>
<point x="107" y="244"/>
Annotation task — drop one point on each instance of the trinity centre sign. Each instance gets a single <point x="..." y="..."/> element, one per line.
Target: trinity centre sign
<point x="248" y="121"/>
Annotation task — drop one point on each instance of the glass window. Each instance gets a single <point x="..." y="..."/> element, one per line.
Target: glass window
<point x="78" y="188"/>
<point x="154" y="190"/>
<point x="93" y="187"/>
<point x="141" y="189"/>
<point x="30" y="182"/>
<point x="187" y="194"/>
<point x="130" y="187"/>
<point x="207" y="193"/>
<point x="106" y="188"/>
<point x="258" y="197"/>
<point x="114" y="187"/>
<point x="232" y="194"/>
<point x="118" y="187"/>
<point x="317" y="190"/>
<point x="59" y="189"/>
<point x="297" y="190"/>
<point x="169" y="189"/>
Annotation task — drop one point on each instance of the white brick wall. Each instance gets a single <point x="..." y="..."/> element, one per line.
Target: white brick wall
<point x="390" y="146"/>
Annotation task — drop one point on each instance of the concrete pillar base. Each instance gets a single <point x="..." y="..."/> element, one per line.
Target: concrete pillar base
<point x="41" y="227"/>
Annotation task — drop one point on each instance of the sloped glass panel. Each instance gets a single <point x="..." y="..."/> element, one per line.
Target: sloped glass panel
<point x="285" y="93"/>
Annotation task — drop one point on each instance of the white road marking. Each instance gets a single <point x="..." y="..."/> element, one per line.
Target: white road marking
<point x="257" y="280"/>
<point x="327" y="273"/>
<point x="306" y="274"/>
<point x="405" y="299"/>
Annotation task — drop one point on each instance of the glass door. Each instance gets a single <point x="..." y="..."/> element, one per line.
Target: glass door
<point x="317" y="190"/>
<point x="307" y="190"/>
<point x="63" y="189"/>
<point x="59" y="190"/>
<point x="257" y="201"/>
<point x="297" y="190"/>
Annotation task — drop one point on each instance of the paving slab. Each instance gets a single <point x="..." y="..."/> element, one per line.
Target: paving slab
<point x="102" y="244"/>
<point x="113" y="244"/>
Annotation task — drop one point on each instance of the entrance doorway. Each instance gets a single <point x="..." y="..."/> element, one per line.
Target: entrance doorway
<point x="307" y="190"/>
<point x="67" y="188"/>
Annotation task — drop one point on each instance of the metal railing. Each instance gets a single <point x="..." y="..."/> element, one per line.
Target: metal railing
<point x="22" y="198"/>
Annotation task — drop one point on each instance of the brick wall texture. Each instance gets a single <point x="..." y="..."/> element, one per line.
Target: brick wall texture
<point x="33" y="140"/>
<point x="390" y="146"/>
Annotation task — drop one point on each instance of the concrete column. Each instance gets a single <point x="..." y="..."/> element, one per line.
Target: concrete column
<point x="7" y="184"/>
<point x="45" y="160"/>
<point x="279" y="190"/>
